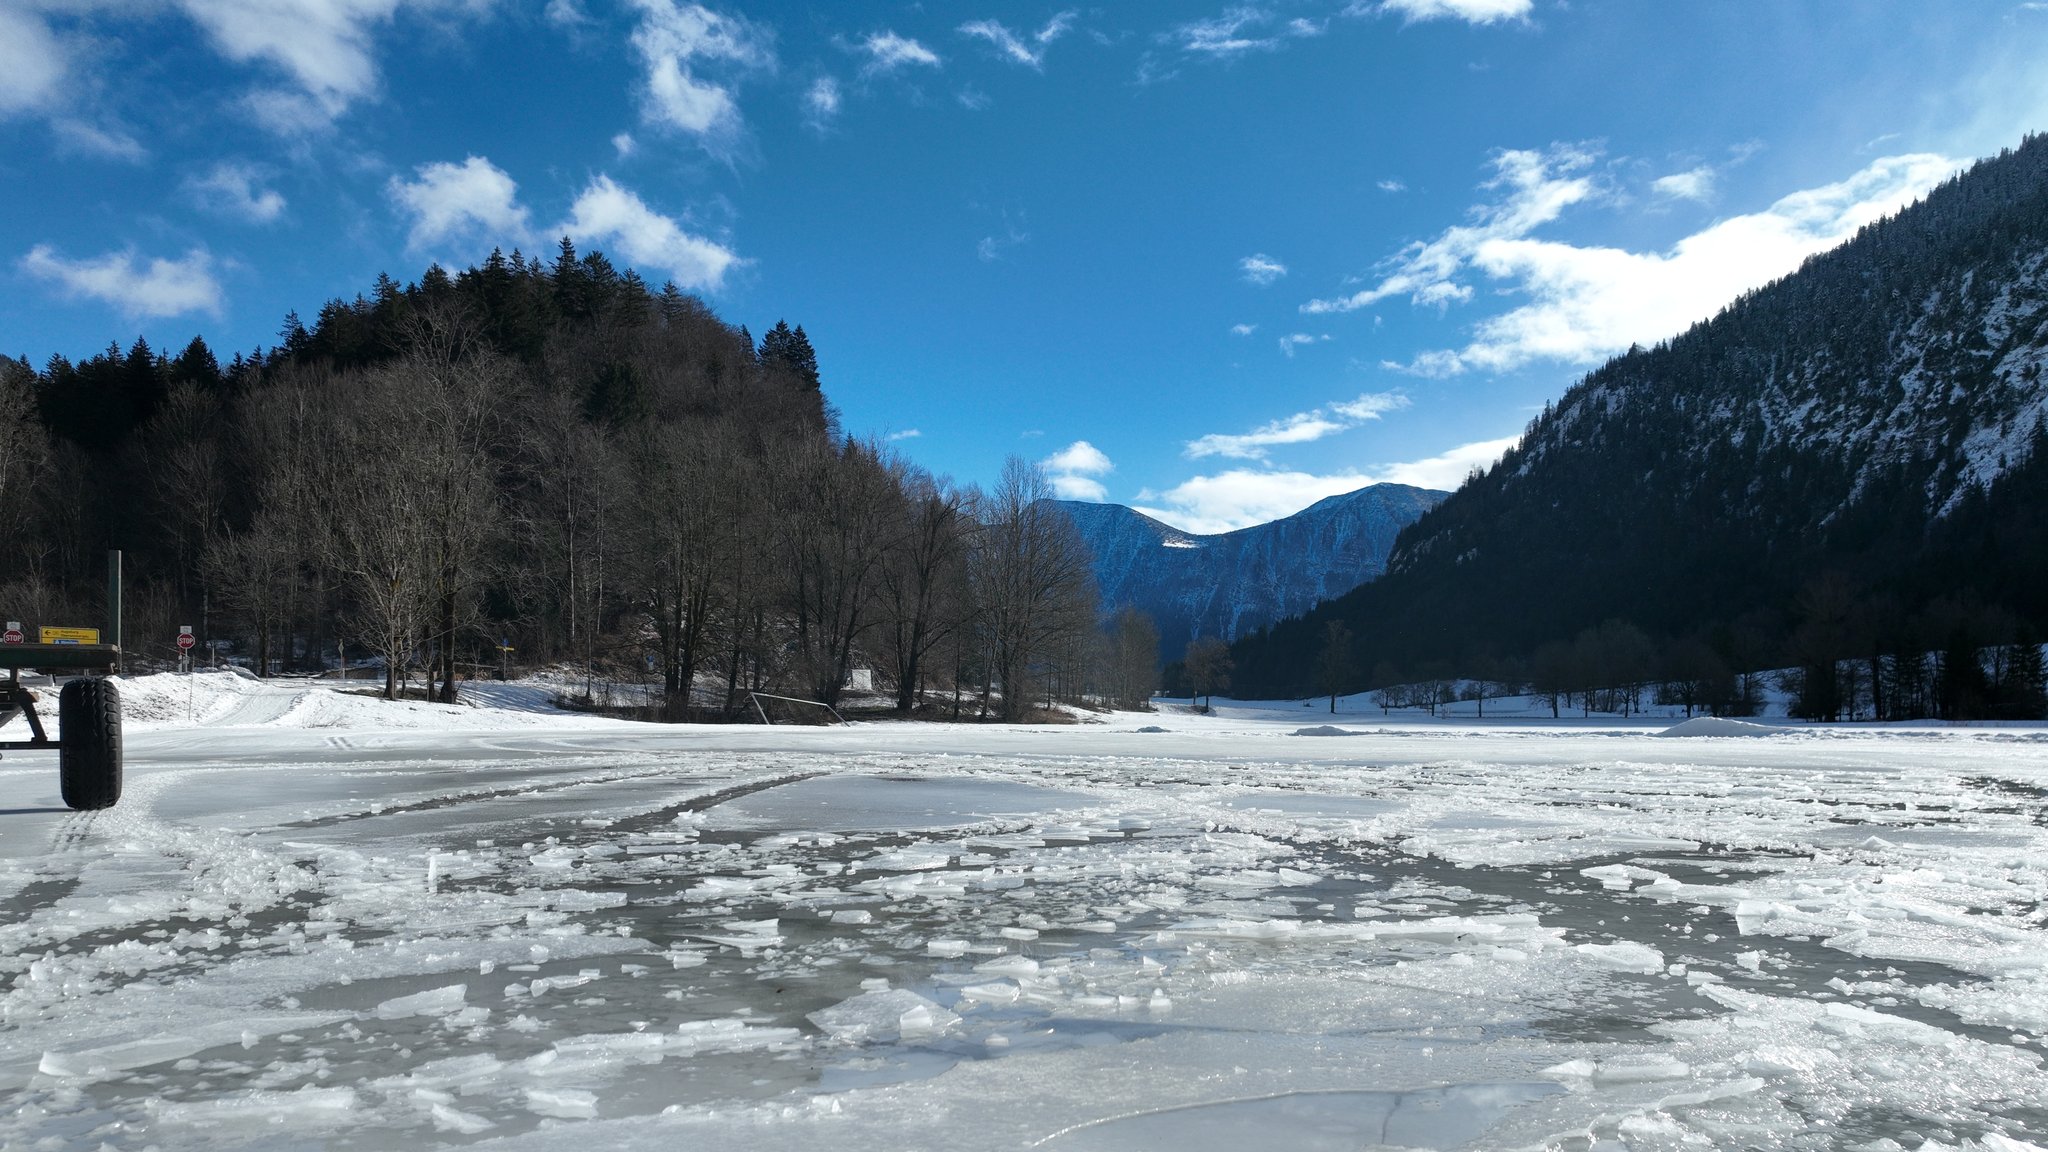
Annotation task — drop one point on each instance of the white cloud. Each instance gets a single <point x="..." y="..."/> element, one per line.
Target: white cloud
<point x="1013" y="47"/>
<point x="472" y="200"/>
<point x="158" y="288"/>
<point x="235" y="190"/>
<point x="324" y="46"/>
<point x="1300" y="428"/>
<point x="32" y="63"/>
<point x="90" y="139"/>
<point x="1392" y="186"/>
<point x="1226" y="35"/>
<point x="1446" y="471"/>
<point x="671" y="40"/>
<point x="821" y="101"/>
<point x="1293" y="340"/>
<point x="1471" y="11"/>
<point x="1072" y="471"/>
<point x="1243" y="329"/>
<point x="566" y="14"/>
<point x="1243" y="497"/>
<point x="887" y="52"/>
<point x="1541" y="185"/>
<point x="1586" y="303"/>
<point x="625" y="145"/>
<point x="1261" y="269"/>
<point x="1697" y="184"/>
<point x="906" y="434"/>
<point x="607" y="213"/>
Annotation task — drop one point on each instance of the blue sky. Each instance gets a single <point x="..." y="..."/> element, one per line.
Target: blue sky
<point x="1213" y="261"/>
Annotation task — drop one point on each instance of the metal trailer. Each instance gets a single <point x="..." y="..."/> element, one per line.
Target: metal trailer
<point x="88" y="715"/>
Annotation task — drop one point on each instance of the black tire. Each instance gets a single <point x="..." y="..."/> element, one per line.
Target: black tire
<point x="89" y="757"/>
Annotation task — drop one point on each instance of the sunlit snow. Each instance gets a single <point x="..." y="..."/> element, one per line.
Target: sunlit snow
<point x="318" y="920"/>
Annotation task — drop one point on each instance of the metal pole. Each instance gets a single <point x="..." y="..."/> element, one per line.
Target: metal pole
<point x="114" y="603"/>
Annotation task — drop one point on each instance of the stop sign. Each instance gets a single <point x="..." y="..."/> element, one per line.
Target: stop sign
<point x="186" y="640"/>
<point x="11" y="636"/>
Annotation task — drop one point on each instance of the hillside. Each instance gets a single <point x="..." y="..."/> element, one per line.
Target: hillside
<point x="1230" y="583"/>
<point x="1844" y="463"/>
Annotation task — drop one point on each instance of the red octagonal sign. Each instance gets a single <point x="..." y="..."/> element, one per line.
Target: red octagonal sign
<point x="11" y="636"/>
<point x="186" y="640"/>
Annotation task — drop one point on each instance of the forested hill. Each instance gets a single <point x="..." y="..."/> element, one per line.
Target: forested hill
<point x="548" y="457"/>
<point x="1844" y="463"/>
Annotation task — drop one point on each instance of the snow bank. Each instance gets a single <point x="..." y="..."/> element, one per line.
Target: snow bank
<point x="1720" y="726"/>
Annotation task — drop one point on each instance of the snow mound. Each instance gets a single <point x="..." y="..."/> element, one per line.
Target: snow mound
<point x="1326" y="730"/>
<point x="1151" y="728"/>
<point x="1719" y="726"/>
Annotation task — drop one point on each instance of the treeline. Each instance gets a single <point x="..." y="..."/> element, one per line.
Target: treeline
<point x="1846" y="465"/>
<point x="1616" y="668"/>
<point x="541" y="457"/>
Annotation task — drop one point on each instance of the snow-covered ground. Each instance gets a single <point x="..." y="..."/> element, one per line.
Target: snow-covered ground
<point x="319" y="920"/>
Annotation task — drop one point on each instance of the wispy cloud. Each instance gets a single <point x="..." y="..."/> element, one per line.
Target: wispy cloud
<point x="235" y="190"/>
<point x="140" y="289"/>
<point x="1392" y="186"/>
<point x="906" y="434"/>
<point x="1470" y="11"/>
<point x="1293" y="340"/>
<point x="1261" y="269"/>
<point x="1243" y="329"/>
<point x="33" y="62"/>
<point x="888" y="52"/>
<point x="821" y="102"/>
<point x="1238" y="30"/>
<point x="673" y="42"/>
<point x="1300" y="428"/>
<point x="1692" y="184"/>
<point x="474" y="202"/>
<point x="1586" y="302"/>
<point x="1018" y="49"/>
<point x="1539" y="187"/>
<point x="1073" y="471"/>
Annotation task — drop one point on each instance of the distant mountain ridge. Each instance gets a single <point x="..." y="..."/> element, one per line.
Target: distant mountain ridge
<point x="1231" y="583"/>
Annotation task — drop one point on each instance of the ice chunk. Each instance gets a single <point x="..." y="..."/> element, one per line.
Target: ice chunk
<point x="1000" y="992"/>
<point x="433" y="1002"/>
<point x="883" y="1015"/>
<point x="1624" y="957"/>
<point x="853" y="916"/>
<point x="561" y="1103"/>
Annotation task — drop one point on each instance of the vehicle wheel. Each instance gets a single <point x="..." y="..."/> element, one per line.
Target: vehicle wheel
<point x="89" y="757"/>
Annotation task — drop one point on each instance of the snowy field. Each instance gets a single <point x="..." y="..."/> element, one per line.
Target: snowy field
<point x="320" y="921"/>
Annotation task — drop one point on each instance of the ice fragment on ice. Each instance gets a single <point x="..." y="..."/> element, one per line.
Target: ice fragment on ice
<point x="433" y="1002"/>
<point x="1625" y="957"/>
<point x="562" y="1103"/>
<point x="883" y="1015"/>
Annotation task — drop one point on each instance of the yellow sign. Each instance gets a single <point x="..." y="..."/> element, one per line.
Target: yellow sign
<point x="51" y="635"/>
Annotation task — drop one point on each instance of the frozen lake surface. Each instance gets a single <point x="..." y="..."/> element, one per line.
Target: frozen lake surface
<point x="323" y="922"/>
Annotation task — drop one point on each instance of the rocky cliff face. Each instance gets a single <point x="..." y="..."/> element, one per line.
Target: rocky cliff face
<point x="1231" y="583"/>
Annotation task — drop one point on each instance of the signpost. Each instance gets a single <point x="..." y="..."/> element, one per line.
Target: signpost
<point x="186" y="640"/>
<point x="13" y="634"/>
<point x="50" y="635"/>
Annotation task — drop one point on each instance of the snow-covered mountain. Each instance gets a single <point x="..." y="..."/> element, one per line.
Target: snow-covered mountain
<point x="1852" y="458"/>
<point x="1230" y="583"/>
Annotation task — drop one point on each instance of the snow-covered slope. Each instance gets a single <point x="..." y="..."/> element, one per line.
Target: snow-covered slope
<point x="1228" y="584"/>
